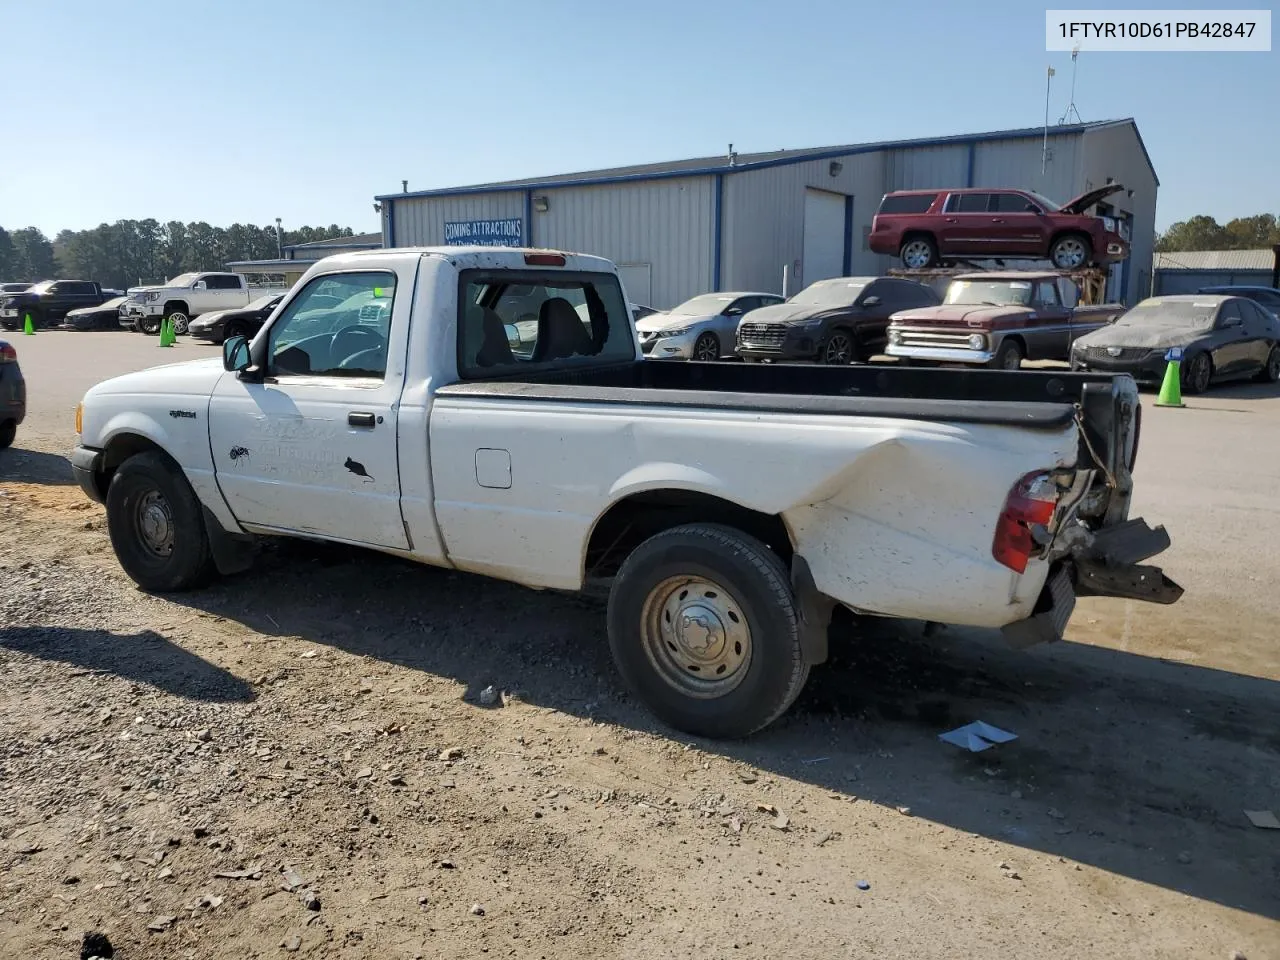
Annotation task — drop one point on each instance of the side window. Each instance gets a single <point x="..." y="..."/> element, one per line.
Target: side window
<point x="745" y="304"/>
<point x="907" y="203"/>
<point x="1069" y="293"/>
<point x="1047" y="293"/>
<point x="1012" y="203"/>
<point x="1253" y="314"/>
<point x="970" y="202"/>
<point x="221" y="281"/>
<point x="509" y="321"/>
<point x="338" y="326"/>
<point x="1226" y="312"/>
<point x="57" y="289"/>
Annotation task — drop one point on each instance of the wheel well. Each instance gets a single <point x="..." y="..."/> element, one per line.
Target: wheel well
<point x="171" y="305"/>
<point x="917" y="235"/>
<point x="636" y="518"/>
<point x="119" y="449"/>
<point x="1071" y="233"/>
<point x="1014" y="338"/>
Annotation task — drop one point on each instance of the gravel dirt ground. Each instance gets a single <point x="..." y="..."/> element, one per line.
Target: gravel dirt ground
<point x="303" y="759"/>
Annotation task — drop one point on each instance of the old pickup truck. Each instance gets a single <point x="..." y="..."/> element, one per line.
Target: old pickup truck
<point x="727" y="508"/>
<point x="998" y="320"/>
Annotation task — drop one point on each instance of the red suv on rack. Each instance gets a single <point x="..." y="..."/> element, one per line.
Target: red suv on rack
<point x="926" y="227"/>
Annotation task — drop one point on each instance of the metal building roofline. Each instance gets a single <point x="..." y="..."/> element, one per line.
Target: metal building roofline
<point x="666" y="171"/>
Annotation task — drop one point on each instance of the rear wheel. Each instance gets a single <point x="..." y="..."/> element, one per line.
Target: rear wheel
<point x="1009" y="356"/>
<point x="705" y="630"/>
<point x="918" y="253"/>
<point x="1270" y="372"/>
<point x="707" y="347"/>
<point x="838" y="349"/>
<point x="1197" y="372"/>
<point x="156" y="525"/>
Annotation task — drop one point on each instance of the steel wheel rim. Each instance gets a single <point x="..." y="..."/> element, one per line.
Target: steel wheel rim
<point x="696" y="636"/>
<point x="838" y="350"/>
<point x="153" y="521"/>
<point x="1070" y="253"/>
<point x="916" y="254"/>
<point x="1013" y="360"/>
<point x="705" y="348"/>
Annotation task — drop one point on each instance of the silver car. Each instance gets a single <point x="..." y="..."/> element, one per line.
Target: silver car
<point x="703" y="328"/>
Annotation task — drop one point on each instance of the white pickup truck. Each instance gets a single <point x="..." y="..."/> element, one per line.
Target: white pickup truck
<point x="182" y="299"/>
<point x="729" y="508"/>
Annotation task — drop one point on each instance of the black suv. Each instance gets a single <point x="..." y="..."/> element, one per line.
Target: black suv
<point x="837" y="321"/>
<point x="47" y="303"/>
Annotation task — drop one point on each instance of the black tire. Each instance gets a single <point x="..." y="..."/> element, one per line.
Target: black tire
<point x="1071" y="251"/>
<point x="1197" y="374"/>
<point x="8" y="430"/>
<point x="148" y="325"/>
<point x="1270" y="372"/>
<point x="918" y="252"/>
<point x="189" y="561"/>
<point x="754" y="582"/>
<point x="1009" y="356"/>
<point x="706" y="347"/>
<point x="840" y="348"/>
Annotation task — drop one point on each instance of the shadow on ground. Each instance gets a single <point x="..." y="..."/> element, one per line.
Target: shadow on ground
<point x="1137" y="766"/>
<point x="32" y="466"/>
<point x="144" y="657"/>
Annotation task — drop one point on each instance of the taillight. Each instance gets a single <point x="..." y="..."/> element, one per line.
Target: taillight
<point x="544" y="259"/>
<point x="8" y="354"/>
<point x="1031" y="502"/>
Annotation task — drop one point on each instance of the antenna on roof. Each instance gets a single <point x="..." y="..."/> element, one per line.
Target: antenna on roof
<point x="1071" y="106"/>
<point x="733" y="157"/>
<point x="1044" y="150"/>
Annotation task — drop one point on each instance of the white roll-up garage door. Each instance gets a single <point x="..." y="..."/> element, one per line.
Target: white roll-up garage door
<point x="823" y="235"/>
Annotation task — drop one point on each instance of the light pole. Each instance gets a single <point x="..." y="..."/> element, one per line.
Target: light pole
<point x="279" y="241"/>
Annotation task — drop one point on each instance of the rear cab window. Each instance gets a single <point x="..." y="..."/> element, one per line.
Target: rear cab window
<point x="907" y="203"/>
<point x="516" y="322"/>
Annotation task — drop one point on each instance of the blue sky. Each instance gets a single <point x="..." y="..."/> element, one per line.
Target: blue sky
<point x="246" y="111"/>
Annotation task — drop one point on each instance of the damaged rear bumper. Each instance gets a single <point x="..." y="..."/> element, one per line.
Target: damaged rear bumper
<point x="1109" y="564"/>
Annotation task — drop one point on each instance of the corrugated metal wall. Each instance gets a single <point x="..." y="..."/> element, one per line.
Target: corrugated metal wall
<point x="920" y="168"/>
<point x="763" y="218"/>
<point x="1115" y="152"/>
<point x="419" y="221"/>
<point x="1189" y="281"/>
<point x="1017" y="163"/>
<point x="664" y="223"/>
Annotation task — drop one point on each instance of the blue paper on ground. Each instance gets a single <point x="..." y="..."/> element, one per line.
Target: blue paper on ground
<point x="977" y="736"/>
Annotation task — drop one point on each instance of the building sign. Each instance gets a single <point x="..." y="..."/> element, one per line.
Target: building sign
<point x="484" y="233"/>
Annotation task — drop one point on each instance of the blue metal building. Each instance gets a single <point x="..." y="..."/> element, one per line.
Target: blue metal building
<point x="735" y="222"/>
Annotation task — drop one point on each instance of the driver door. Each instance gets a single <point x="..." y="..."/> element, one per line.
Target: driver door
<point x="312" y="448"/>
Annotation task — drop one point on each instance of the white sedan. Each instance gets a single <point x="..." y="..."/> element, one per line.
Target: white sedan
<point x="702" y="328"/>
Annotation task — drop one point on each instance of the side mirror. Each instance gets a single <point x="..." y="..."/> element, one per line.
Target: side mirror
<point x="733" y="312"/>
<point x="235" y="354"/>
<point x="199" y="285"/>
<point x="871" y="302"/>
<point x="1231" y="322"/>
<point x="513" y="334"/>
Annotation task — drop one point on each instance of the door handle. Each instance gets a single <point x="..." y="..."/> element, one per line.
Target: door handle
<point x="360" y="419"/>
<point x="997" y="220"/>
<point x="951" y="219"/>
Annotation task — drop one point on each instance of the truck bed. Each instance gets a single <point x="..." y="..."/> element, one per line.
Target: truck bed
<point x="1033" y="400"/>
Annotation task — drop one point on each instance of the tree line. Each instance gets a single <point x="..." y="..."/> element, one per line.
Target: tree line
<point x="132" y="252"/>
<point x="1205" y="233"/>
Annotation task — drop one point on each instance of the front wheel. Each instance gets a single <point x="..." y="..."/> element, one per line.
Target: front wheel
<point x="180" y="321"/>
<point x="1197" y="372"/>
<point x="156" y="525"/>
<point x="705" y="630"/>
<point x="838" y="349"/>
<point x="707" y="347"/>
<point x="148" y="325"/>
<point x="1270" y="372"/>
<point x="1008" y="357"/>
<point x="1071" y="252"/>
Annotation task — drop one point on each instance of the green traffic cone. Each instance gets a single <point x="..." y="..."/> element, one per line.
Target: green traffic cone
<point x="164" y="334"/>
<point x="28" y="324"/>
<point x="1171" y="388"/>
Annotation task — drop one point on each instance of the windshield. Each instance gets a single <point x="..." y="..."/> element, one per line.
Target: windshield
<point x="1184" y="314"/>
<point x="830" y="293"/>
<point x="262" y="302"/>
<point x="41" y="287"/>
<point x="182" y="280"/>
<point x="996" y="293"/>
<point x="14" y="287"/>
<point x="708" y="304"/>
